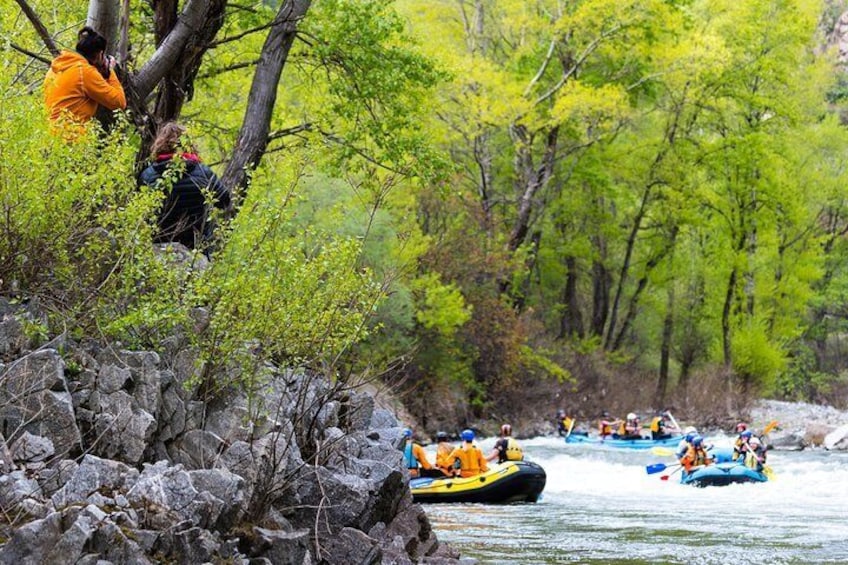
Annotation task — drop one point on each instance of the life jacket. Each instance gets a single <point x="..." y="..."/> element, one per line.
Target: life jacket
<point x="695" y="456"/>
<point x="567" y="423"/>
<point x="411" y="461"/>
<point x="604" y="428"/>
<point x="471" y="460"/>
<point x="657" y="425"/>
<point x="622" y="430"/>
<point x="509" y="452"/>
<point x="443" y="452"/>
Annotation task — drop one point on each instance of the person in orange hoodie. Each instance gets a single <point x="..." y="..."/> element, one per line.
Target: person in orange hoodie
<point x="78" y="82"/>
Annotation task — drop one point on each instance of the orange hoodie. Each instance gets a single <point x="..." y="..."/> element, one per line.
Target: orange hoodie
<point x="74" y="86"/>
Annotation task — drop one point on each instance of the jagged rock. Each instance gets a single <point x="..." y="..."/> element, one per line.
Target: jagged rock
<point x="123" y="429"/>
<point x="30" y="448"/>
<point x="55" y="477"/>
<point x="351" y="546"/>
<point x="358" y="412"/>
<point x="92" y="475"/>
<point x="194" y="545"/>
<point x="13" y="339"/>
<point x="282" y="548"/>
<point x="70" y="546"/>
<point x="15" y="487"/>
<point x="31" y="542"/>
<point x="197" y="449"/>
<point x="343" y="499"/>
<point x="409" y="525"/>
<point x="173" y="411"/>
<point x="225" y="486"/>
<point x="383" y="419"/>
<point x="168" y="494"/>
<point x="110" y="542"/>
<point x="34" y="398"/>
<point x="112" y="378"/>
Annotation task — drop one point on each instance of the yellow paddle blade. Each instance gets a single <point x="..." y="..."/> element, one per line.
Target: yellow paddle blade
<point x="769" y="473"/>
<point x="662" y="451"/>
<point x="769" y="427"/>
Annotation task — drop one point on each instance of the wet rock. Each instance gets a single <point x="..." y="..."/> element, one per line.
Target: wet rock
<point x="837" y="440"/>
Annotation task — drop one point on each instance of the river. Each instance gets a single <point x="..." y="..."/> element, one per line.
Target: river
<point x="600" y="506"/>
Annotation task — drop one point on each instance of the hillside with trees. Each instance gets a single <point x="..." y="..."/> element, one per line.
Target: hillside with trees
<point x="494" y="208"/>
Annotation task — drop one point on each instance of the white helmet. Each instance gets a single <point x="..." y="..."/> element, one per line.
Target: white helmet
<point x="631" y="416"/>
<point x="754" y="441"/>
<point x="690" y="430"/>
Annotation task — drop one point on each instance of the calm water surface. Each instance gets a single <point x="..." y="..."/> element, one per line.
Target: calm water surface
<point x="599" y="506"/>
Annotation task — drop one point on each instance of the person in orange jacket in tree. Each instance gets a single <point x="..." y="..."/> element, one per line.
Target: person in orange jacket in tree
<point x="471" y="459"/>
<point x="78" y="82"/>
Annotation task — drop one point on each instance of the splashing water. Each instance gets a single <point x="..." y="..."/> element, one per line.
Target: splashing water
<point x="600" y="506"/>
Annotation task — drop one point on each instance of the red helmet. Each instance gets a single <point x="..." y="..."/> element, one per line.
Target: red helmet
<point x="741" y="427"/>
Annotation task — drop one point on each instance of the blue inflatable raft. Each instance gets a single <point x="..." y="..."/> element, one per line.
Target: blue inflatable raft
<point x="723" y="472"/>
<point x="642" y="443"/>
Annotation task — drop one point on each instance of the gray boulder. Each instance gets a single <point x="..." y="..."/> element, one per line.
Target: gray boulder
<point x="283" y="548"/>
<point x="31" y="543"/>
<point x="92" y="476"/>
<point x="29" y="448"/>
<point x="34" y="398"/>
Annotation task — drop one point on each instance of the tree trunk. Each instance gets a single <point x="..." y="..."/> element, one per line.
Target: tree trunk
<point x="665" y="348"/>
<point x="105" y="17"/>
<point x="600" y="296"/>
<point x="571" y="321"/>
<point x="533" y="182"/>
<point x="253" y="137"/>
<point x="170" y="49"/>
<point x="177" y="86"/>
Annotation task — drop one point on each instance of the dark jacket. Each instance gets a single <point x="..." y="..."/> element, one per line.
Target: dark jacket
<point x="183" y="217"/>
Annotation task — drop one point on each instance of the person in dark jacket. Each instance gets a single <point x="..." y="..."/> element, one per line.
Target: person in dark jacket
<point x="189" y="187"/>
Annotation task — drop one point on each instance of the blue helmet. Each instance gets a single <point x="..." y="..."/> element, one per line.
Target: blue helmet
<point x="697" y="441"/>
<point x="691" y="436"/>
<point x="467" y="435"/>
<point x="407" y="433"/>
<point x="746" y="434"/>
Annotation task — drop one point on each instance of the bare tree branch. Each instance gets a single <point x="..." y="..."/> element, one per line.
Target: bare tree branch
<point x="28" y="53"/>
<point x="234" y="67"/>
<point x="162" y="60"/>
<point x="39" y="27"/>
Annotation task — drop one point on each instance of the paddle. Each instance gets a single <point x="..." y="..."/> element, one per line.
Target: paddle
<point x="673" y="421"/>
<point x="657" y="468"/>
<point x="769" y="427"/>
<point x="767" y="470"/>
<point x="662" y="451"/>
<point x="665" y="477"/>
<point x="570" y="427"/>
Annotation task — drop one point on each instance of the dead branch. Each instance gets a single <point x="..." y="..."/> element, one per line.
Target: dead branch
<point x="39" y="27"/>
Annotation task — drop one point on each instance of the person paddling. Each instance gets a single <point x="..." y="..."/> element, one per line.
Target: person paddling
<point x="443" y="450"/>
<point x="696" y="455"/>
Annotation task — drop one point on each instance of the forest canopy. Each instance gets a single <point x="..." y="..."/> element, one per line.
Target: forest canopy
<point x="476" y="201"/>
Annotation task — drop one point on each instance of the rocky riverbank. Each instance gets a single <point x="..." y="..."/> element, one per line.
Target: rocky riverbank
<point x="802" y="425"/>
<point x="110" y="455"/>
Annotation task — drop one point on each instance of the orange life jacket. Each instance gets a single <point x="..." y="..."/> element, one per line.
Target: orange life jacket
<point x="471" y="460"/>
